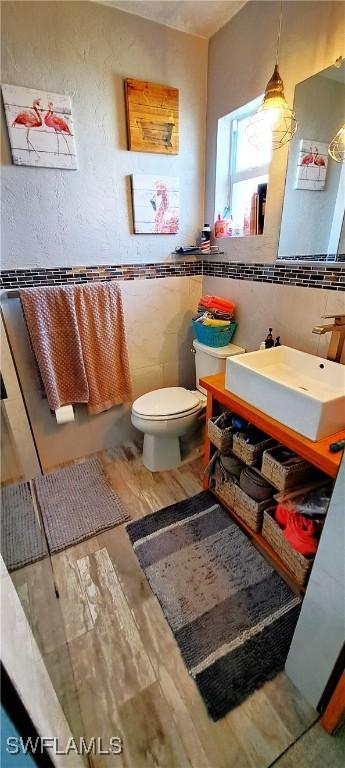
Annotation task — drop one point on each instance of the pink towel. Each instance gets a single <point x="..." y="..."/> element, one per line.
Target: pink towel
<point x="78" y="337"/>
<point x="103" y="339"/>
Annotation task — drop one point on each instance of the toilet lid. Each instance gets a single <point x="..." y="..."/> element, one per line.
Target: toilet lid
<point x="166" y="402"/>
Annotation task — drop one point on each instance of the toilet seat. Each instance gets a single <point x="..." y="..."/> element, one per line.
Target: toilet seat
<point x="171" y="417"/>
<point x="168" y="403"/>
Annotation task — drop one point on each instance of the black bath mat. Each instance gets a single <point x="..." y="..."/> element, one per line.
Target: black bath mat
<point x="232" y="615"/>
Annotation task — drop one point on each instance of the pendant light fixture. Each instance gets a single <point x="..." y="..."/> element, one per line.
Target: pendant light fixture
<point x="274" y="123"/>
<point x="336" y="149"/>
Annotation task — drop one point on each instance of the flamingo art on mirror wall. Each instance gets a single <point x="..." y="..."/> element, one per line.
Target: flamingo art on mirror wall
<point x="312" y="163"/>
<point x="318" y="160"/>
<point x="307" y="160"/>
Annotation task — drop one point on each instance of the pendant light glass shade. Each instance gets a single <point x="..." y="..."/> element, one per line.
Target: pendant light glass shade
<point x="336" y="149"/>
<point x="274" y="123"/>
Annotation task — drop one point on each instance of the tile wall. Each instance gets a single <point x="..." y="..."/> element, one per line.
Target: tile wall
<point x="159" y="302"/>
<point x="305" y="275"/>
<point x="291" y="311"/>
<point x="158" y="322"/>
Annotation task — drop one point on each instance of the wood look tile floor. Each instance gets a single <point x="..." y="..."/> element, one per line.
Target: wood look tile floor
<point x="121" y="672"/>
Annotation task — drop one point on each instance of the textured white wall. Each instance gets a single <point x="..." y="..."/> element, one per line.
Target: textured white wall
<point x="241" y="60"/>
<point x="86" y="50"/>
<point x="54" y="217"/>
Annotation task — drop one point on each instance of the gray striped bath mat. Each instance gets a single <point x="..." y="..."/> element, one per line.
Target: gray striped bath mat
<point x="77" y="502"/>
<point x="232" y="615"/>
<point x="22" y="540"/>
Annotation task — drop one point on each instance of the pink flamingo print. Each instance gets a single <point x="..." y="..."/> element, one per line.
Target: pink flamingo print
<point x="58" y="124"/>
<point x="318" y="160"/>
<point x="306" y="161"/>
<point x="164" y="224"/>
<point x="29" y="120"/>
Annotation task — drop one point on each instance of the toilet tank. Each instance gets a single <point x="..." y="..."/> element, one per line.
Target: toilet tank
<point x="210" y="360"/>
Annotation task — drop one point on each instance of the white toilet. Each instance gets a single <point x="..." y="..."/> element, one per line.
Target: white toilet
<point x="164" y="415"/>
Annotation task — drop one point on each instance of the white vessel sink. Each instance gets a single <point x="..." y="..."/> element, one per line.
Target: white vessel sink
<point x="302" y="391"/>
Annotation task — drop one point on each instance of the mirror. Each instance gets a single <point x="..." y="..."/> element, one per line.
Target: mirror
<point x="312" y="225"/>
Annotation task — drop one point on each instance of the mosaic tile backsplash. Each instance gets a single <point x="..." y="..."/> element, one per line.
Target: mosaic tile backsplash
<point x="306" y="275"/>
<point x="330" y="257"/>
<point x="303" y="275"/>
<point x="27" y="278"/>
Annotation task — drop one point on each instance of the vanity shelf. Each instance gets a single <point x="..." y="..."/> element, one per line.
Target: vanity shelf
<point x="317" y="453"/>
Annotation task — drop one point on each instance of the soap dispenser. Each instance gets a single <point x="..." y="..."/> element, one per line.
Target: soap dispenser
<point x="220" y="227"/>
<point x="269" y="341"/>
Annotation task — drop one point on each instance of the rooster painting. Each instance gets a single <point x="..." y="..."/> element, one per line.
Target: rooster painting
<point x="156" y="205"/>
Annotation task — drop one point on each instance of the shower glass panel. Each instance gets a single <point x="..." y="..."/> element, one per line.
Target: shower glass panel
<point x="24" y="546"/>
<point x="11" y="469"/>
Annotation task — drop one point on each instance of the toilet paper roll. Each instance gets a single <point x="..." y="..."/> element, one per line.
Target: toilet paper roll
<point x="64" y="414"/>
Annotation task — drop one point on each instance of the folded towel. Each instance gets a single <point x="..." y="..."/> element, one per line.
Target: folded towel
<point x="299" y="530"/>
<point x="231" y="466"/>
<point x="301" y="533"/>
<point x="217" y="313"/>
<point x="210" y="318"/>
<point x="78" y="337"/>
<point x="255" y="485"/>
<point x="217" y="302"/>
<point x="216" y="323"/>
<point x="282" y="514"/>
<point x="222" y="468"/>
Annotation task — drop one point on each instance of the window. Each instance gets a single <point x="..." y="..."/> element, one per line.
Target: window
<point x="249" y="168"/>
<point x="242" y="174"/>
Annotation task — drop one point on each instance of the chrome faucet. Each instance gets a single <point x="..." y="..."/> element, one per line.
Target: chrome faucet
<point x="336" y="349"/>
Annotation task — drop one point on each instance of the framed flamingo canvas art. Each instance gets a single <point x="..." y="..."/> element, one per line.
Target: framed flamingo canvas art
<point x="312" y="165"/>
<point x="40" y="127"/>
<point x="156" y="204"/>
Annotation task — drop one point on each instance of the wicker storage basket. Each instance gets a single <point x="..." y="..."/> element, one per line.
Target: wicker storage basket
<point x="299" y="565"/>
<point x="226" y="492"/>
<point x="250" y="454"/>
<point x="284" y="476"/>
<point x="249" y="510"/>
<point x="221" y="438"/>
